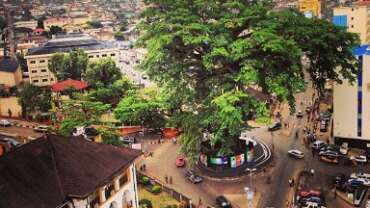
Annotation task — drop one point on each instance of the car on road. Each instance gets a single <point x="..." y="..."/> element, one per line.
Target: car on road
<point x="128" y="140"/>
<point x="223" y="202"/>
<point x="299" y="114"/>
<point x="296" y="154"/>
<point x="180" y="161"/>
<point x="192" y="177"/>
<point x="12" y="142"/>
<point x="329" y="153"/>
<point x="359" y="158"/>
<point x="360" y="175"/>
<point x="275" y="126"/>
<point x="42" y="129"/>
<point x="4" y="123"/>
<point x="358" y="181"/>
<point x="329" y="159"/>
<point x="317" y="145"/>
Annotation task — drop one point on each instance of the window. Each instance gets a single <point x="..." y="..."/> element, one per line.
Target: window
<point x="52" y="79"/>
<point x="97" y="56"/>
<point x="43" y="70"/>
<point x="35" y="81"/>
<point x="108" y="191"/>
<point x="104" y="55"/>
<point x="44" y="80"/>
<point x="91" y="56"/>
<point x="112" y="54"/>
<point x="352" y="18"/>
<point x="123" y="180"/>
<point x="32" y="62"/>
<point x="34" y="71"/>
<point x="351" y="26"/>
<point x="93" y="200"/>
<point x="42" y="61"/>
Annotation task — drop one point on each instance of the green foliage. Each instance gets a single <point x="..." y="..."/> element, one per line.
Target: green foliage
<point x="211" y="51"/>
<point x="69" y="66"/>
<point x="144" y="180"/>
<point x="119" y="36"/>
<point x="67" y="126"/>
<point x="33" y="98"/>
<point x="55" y="30"/>
<point x="156" y="189"/>
<point x="142" y="107"/>
<point x="110" y="137"/>
<point x="145" y="203"/>
<point x="40" y="22"/>
<point x="123" y="25"/>
<point x="103" y="72"/>
<point x="95" y="24"/>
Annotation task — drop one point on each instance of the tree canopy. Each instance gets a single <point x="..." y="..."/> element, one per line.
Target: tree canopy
<point x="103" y="72"/>
<point x="72" y="65"/>
<point x="33" y="98"/>
<point x="204" y="55"/>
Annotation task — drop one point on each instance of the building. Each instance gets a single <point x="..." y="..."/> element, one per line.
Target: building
<point x="310" y="7"/>
<point x="61" y="172"/>
<point x="55" y="21"/>
<point x="32" y="24"/>
<point x="38" y="58"/>
<point x="351" y="105"/>
<point x="356" y="19"/>
<point x="10" y="72"/>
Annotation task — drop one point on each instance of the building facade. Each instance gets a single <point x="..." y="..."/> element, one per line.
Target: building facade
<point x="356" y="19"/>
<point x="55" y="21"/>
<point x="32" y="24"/>
<point x="68" y="173"/>
<point x="10" y="72"/>
<point x="351" y="112"/>
<point x="310" y="7"/>
<point x="38" y="58"/>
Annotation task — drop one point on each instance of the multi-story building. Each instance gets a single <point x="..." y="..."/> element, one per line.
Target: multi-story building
<point x="10" y="72"/>
<point x="310" y="7"/>
<point x="38" y="58"/>
<point x="61" y="172"/>
<point x="356" y="19"/>
<point x="55" y="21"/>
<point x="351" y="112"/>
<point x="32" y="24"/>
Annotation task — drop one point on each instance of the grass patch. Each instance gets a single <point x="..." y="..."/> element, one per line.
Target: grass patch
<point x="264" y="120"/>
<point x="158" y="200"/>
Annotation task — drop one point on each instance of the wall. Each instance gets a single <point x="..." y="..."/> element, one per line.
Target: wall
<point x="12" y="104"/>
<point x="366" y="98"/>
<point x="7" y="78"/>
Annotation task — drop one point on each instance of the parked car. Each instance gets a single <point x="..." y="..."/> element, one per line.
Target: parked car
<point x="12" y="142"/>
<point x="296" y="154"/>
<point x="128" y="140"/>
<point x="180" y="161"/>
<point x="329" y="153"/>
<point x="340" y="179"/>
<point x="360" y="175"/>
<point x="344" y="148"/>
<point x="323" y="126"/>
<point x="359" y="158"/>
<point x="358" y="181"/>
<point x="329" y="159"/>
<point x="41" y="128"/>
<point x="223" y="202"/>
<point x="192" y="177"/>
<point x="299" y="114"/>
<point x="275" y="126"/>
<point x="4" y="123"/>
<point x="317" y="145"/>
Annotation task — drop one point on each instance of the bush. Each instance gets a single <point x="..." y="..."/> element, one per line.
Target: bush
<point x="156" y="189"/>
<point x="145" y="203"/>
<point x="145" y="180"/>
<point x="169" y="206"/>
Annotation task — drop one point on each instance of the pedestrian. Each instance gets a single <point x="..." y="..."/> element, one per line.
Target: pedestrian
<point x="290" y="182"/>
<point x="335" y="192"/>
<point x="166" y="179"/>
<point x="171" y="180"/>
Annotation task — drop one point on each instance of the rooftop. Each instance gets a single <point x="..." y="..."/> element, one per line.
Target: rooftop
<point x="67" y="43"/>
<point x="48" y="171"/>
<point x="8" y="64"/>
<point x="63" y="85"/>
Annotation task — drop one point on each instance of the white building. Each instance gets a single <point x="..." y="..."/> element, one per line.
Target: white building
<point x="60" y="172"/>
<point x="38" y="58"/>
<point x="352" y="105"/>
<point x="32" y="24"/>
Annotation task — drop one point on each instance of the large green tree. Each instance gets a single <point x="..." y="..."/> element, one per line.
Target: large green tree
<point x="104" y="72"/>
<point x="33" y="98"/>
<point x="69" y="65"/>
<point x="205" y="53"/>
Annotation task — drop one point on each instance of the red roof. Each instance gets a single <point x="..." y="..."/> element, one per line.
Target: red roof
<point x="61" y="86"/>
<point x="38" y="30"/>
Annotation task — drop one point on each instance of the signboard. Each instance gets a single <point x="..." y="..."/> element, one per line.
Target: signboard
<point x="219" y="160"/>
<point x="233" y="162"/>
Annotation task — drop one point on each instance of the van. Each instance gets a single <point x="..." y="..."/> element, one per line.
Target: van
<point x="317" y="145"/>
<point x="344" y="148"/>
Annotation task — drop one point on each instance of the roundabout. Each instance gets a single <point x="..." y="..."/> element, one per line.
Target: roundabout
<point x="249" y="154"/>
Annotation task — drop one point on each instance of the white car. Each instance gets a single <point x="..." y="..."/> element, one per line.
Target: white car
<point x="296" y="154"/>
<point x="318" y="145"/>
<point x="360" y="175"/>
<point x="344" y="148"/>
<point x="4" y="122"/>
<point x="43" y="129"/>
<point x="362" y="181"/>
<point x="359" y="158"/>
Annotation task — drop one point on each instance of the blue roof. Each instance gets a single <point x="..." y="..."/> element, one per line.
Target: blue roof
<point x="361" y="50"/>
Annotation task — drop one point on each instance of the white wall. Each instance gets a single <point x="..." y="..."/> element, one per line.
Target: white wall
<point x="366" y="98"/>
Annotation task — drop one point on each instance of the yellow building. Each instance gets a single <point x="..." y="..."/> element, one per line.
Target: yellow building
<point x="10" y="72"/>
<point x="38" y="58"/>
<point x="310" y="7"/>
<point x="356" y="19"/>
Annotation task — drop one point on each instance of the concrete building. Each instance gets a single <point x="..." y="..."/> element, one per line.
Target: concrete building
<point x="351" y="105"/>
<point x="55" y="21"/>
<point x="32" y="24"/>
<point x="73" y="172"/>
<point x="356" y="19"/>
<point x="38" y="58"/>
<point x="10" y="72"/>
<point x="310" y="7"/>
